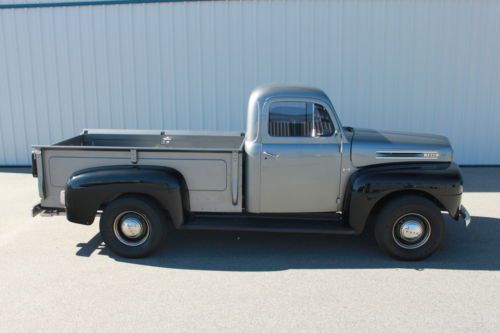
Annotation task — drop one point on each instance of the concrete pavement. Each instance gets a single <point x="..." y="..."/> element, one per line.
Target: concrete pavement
<point x="56" y="276"/>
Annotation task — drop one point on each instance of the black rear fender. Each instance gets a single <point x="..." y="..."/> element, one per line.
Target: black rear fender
<point x="89" y="190"/>
<point x="369" y="187"/>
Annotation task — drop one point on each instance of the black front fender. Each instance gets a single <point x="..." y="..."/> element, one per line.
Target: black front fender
<point x="88" y="190"/>
<point x="441" y="182"/>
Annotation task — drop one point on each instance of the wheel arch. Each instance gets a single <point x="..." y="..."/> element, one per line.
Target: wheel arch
<point x="92" y="189"/>
<point x="370" y="188"/>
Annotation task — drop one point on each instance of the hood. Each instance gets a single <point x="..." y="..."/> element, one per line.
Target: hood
<point x="378" y="147"/>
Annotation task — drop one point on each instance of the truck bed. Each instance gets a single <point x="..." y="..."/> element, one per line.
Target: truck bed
<point x="211" y="162"/>
<point x="165" y="140"/>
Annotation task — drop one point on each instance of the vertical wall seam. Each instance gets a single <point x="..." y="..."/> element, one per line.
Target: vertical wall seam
<point x="188" y="69"/>
<point x="106" y="63"/>
<point x="215" y="66"/>
<point x="94" y="63"/>
<point x="70" y="77"/>
<point x="174" y="76"/>
<point x="147" y="74"/>
<point x="121" y="67"/>
<point x="134" y="71"/>
<point x="200" y="43"/>
<point x="31" y="56"/>
<point x="21" y="89"/>
<point x="160" y="50"/>
<point x="9" y="94"/>
<point x="57" y="75"/>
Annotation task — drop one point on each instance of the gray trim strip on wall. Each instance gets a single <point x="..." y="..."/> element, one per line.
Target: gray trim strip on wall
<point x="86" y="3"/>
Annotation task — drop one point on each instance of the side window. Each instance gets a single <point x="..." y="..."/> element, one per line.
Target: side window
<point x="299" y="119"/>
<point x="289" y="119"/>
<point x="323" y="125"/>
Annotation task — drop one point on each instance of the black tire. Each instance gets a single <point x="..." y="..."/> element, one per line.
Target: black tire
<point x="400" y="221"/>
<point x="139" y="211"/>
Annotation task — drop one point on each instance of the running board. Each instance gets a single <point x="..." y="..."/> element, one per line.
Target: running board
<point x="323" y="224"/>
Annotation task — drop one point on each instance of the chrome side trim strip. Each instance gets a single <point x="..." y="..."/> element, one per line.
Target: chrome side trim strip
<point x="407" y="154"/>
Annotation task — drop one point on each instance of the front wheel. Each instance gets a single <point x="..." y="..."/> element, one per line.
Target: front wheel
<point x="132" y="227"/>
<point x="409" y="228"/>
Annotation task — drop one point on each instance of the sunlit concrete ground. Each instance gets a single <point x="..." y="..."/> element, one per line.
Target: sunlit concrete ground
<point x="56" y="276"/>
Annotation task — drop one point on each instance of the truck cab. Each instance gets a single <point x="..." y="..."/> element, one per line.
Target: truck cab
<point x="294" y="147"/>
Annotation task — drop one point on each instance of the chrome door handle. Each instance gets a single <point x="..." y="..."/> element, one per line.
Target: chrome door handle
<point x="266" y="154"/>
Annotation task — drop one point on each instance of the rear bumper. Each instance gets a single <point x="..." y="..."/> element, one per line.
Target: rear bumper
<point x="464" y="213"/>
<point x="37" y="209"/>
<point x="43" y="211"/>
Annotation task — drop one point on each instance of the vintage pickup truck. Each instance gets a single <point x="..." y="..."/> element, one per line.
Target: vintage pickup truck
<point x="296" y="169"/>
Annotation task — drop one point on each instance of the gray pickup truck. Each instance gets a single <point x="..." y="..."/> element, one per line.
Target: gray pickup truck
<point x="296" y="169"/>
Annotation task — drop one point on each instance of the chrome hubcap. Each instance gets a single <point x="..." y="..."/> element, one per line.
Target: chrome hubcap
<point x="131" y="228"/>
<point x="411" y="231"/>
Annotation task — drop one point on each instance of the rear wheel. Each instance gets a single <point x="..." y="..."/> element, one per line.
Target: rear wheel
<point x="132" y="227"/>
<point x="409" y="228"/>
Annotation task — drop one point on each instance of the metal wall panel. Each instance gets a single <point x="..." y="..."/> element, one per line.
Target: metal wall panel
<point x="425" y="66"/>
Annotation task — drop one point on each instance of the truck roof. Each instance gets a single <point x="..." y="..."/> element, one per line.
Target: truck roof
<point x="264" y="92"/>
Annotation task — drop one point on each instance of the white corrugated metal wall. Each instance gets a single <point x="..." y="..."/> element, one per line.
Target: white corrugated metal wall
<point x="430" y="66"/>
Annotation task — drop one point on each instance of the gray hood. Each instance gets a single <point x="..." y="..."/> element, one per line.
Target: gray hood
<point x="377" y="147"/>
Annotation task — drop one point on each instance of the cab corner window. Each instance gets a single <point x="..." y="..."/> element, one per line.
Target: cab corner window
<point x="299" y="119"/>
<point x="323" y="125"/>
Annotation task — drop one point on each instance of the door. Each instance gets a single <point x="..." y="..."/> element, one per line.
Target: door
<point x="300" y="158"/>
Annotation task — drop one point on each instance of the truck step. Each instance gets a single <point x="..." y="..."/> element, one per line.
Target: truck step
<point x="316" y="224"/>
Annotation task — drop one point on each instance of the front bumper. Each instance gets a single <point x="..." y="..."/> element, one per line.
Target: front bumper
<point x="465" y="215"/>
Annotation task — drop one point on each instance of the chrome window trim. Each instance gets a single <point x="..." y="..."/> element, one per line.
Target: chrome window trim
<point x="264" y="123"/>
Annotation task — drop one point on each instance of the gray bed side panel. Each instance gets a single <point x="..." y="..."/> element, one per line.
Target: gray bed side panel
<point x="207" y="174"/>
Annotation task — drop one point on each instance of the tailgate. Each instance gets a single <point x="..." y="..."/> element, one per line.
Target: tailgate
<point x="37" y="170"/>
